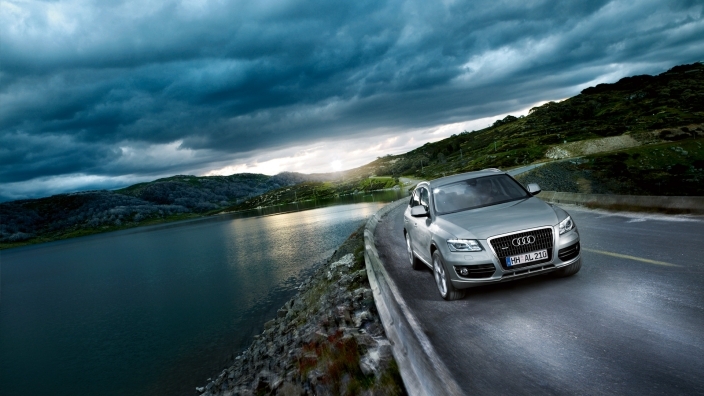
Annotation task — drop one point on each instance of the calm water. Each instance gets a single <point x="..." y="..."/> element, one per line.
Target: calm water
<point x="156" y="310"/>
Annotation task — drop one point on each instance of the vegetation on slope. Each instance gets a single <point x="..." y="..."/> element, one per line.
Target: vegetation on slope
<point x="674" y="169"/>
<point x="633" y="106"/>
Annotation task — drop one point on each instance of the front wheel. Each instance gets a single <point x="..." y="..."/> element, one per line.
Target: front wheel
<point x="442" y="280"/>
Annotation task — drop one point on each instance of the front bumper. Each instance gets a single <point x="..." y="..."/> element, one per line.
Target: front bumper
<point x="567" y="243"/>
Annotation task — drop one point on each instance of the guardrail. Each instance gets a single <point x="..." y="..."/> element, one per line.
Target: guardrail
<point x="628" y="202"/>
<point x="422" y="370"/>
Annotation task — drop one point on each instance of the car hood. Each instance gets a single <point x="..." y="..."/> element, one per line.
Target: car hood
<point x="482" y="223"/>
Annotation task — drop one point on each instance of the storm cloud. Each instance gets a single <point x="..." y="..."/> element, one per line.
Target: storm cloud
<point x="100" y="94"/>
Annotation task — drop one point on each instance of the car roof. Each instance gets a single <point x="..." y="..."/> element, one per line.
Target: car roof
<point x="463" y="176"/>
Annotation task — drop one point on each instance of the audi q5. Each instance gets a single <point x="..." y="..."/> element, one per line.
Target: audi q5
<point x="484" y="227"/>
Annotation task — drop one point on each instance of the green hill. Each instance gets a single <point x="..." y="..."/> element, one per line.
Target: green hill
<point x="644" y="107"/>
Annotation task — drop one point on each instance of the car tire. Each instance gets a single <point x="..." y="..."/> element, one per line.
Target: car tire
<point x="416" y="264"/>
<point x="442" y="280"/>
<point x="569" y="270"/>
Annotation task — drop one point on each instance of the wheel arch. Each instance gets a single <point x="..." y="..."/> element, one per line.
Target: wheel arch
<point x="433" y="248"/>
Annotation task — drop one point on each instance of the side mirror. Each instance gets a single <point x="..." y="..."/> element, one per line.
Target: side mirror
<point x="534" y="189"/>
<point x="419" y="211"/>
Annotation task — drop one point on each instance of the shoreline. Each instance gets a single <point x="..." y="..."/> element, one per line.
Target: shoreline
<point x="188" y="217"/>
<point x="327" y="339"/>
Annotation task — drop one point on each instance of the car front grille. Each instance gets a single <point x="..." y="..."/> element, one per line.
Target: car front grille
<point x="504" y="247"/>
<point x="569" y="252"/>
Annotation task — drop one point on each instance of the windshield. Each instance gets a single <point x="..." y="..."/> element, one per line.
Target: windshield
<point x="477" y="192"/>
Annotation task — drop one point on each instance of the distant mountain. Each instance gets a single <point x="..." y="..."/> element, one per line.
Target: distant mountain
<point x="66" y="215"/>
<point x="202" y="194"/>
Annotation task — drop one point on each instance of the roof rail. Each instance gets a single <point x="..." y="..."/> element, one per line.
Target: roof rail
<point x="493" y="169"/>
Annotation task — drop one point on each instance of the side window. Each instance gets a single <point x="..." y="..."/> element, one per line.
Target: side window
<point x="424" y="198"/>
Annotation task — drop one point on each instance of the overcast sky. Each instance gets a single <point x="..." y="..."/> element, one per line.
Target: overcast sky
<point x="106" y="93"/>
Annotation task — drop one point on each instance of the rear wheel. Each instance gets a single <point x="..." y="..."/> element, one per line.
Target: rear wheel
<point x="442" y="280"/>
<point x="415" y="262"/>
<point x="569" y="270"/>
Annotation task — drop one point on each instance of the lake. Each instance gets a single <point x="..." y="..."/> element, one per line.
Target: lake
<point x="157" y="310"/>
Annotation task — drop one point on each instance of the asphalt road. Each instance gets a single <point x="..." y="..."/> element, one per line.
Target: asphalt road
<point x="631" y="322"/>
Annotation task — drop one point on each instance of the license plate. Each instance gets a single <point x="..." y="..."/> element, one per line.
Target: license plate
<point x="526" y="258"/>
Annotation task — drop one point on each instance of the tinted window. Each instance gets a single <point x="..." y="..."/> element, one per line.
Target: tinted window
<point x="477" y="192"/>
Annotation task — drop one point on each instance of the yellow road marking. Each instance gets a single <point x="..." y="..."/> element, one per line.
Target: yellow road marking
<point x="625" y="256"/>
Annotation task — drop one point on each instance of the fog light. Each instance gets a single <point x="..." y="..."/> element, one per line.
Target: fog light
<point x="464" y="272"/>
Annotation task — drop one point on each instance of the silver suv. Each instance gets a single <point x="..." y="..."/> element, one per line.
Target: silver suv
<point x="484" y="227"/>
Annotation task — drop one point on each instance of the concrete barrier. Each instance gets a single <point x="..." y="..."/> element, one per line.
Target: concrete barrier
<point x="628" y="202"/>
<point x="422" y="371"/>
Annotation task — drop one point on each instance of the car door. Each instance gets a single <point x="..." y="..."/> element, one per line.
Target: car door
<point x="421" y="227"/>
<point x="410" y="222"/>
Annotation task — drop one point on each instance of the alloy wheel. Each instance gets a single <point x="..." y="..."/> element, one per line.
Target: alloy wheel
<point x="439" y="272"/>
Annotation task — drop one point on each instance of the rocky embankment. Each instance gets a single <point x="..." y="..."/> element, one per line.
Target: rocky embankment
<point x="564" y="176"/>
<point x="327" y="340"/>
<point x="670" y="168"/>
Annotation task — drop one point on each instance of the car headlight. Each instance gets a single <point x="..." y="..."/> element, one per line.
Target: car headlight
<point x="463" y="245"/>
<point x="566" y="225"/>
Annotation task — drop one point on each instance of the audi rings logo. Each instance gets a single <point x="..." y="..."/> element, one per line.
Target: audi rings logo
<point x="526" y="240"/>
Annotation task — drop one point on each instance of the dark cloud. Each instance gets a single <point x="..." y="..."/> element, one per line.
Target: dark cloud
<point x="84" y="84"/>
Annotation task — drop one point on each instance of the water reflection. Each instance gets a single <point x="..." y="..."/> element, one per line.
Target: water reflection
<point x="376" y="196"/>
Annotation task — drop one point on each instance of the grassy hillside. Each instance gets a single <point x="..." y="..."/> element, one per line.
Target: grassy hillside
<point x="644" y="107"/>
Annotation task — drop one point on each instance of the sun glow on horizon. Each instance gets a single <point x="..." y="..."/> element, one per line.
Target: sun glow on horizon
<point x="336" y="156"/>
